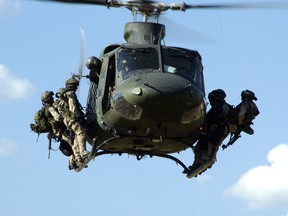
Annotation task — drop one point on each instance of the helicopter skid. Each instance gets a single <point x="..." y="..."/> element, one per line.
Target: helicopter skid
<point x="90" y="157"/>
<point x="108" y="147"/>
<point x="144" y="145"/>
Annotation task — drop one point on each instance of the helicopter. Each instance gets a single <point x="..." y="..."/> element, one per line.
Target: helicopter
<point x="146" y="98"/>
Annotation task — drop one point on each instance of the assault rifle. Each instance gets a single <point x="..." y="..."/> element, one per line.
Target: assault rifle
<point x="49" y="143"/>
<point x="233" y="137"/>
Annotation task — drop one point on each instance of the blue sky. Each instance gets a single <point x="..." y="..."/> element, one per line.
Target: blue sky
<point x="241" y="49"/>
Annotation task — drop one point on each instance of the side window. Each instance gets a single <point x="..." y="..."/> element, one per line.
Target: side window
<point x="109" y="84"/>
<point x="112" y="72"/>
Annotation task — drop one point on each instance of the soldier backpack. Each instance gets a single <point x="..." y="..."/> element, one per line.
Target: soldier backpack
<point x="249" y="116"/>
<point x="41" y="119"/>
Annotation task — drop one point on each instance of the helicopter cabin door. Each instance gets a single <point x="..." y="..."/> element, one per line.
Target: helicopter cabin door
<point x="109" y="84"/>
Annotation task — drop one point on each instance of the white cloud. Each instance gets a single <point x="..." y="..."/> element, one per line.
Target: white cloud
<point x="13" y="87"/>
<point x="265" y="186"/>
<point x="9" y="7"/>
<point x="7" y="147"/>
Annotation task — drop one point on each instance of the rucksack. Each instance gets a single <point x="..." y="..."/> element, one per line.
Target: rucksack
<point x="41" y="119"/>
<point x="249" y="116"/>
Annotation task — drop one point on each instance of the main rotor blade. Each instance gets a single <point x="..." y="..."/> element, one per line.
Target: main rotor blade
<point x="250" y="5"/>
<point x="93" y="2"/>
<point x="150" y="5"/>
<point x="82" y="54"/>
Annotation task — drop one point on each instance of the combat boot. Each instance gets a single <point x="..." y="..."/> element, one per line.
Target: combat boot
<point x="84" y="154"/>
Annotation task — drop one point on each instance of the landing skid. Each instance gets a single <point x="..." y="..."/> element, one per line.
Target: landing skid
<point x="93" y="153"/>
<point x="90" y="157"/>
<point x="141" y="156"/>
<point x="96" y="152"/>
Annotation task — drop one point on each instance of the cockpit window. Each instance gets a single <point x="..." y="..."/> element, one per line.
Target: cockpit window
<point x="184" y="63"/>
<point x="131" y="62"/>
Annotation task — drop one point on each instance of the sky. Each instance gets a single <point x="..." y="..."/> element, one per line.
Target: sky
<point x="40" y="47"/>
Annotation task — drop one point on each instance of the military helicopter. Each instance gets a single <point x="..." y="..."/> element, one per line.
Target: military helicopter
<point x="145" y="98"/>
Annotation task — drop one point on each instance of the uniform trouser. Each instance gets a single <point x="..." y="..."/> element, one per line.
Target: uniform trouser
<point x="80" y="138"/>
<point x="76" y="155"/>
<point x="201" y="149"/>
<point x="209" y="144"/>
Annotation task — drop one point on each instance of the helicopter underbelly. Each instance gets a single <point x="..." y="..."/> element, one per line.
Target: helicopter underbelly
<point x="144" y="145"/>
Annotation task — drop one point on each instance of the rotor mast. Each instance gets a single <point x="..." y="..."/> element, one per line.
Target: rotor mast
<point x="144" y="32"/>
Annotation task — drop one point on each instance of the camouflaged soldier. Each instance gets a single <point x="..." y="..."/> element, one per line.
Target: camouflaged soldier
<point x="56" y="123"/>
<point x="245" y="113"/>
<point x="67" y="136"/>
<point x="59" y="128"/>
<point x="214" y="128"/>
<point x="69" y="108"/>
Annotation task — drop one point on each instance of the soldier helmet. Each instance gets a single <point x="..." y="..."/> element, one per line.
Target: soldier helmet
<point x="46" y="96"/>
<point x="248" y="94"/>
<point x="93" y="63"/>
<point x="217" y="95"/>
<point x="59" y="92"/>
<point x="72" y="84"/>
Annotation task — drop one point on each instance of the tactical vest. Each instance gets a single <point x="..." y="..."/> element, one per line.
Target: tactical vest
<point x="63" y="107"/>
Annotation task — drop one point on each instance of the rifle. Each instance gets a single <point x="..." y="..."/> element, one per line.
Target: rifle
<point x="235" y="136"/>
<point x="49" y="143"/>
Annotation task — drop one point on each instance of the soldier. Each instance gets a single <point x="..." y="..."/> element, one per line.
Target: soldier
<point x="67" y="136"/>
<point x="70" y="110"/>
<point x="59" y="128"/>
<point x="56" y="122"/>
<point x="244" y="114"/>
<point x="94" y="65"/>
<point x="123" y="70"/>
<point x="214" y="128"/>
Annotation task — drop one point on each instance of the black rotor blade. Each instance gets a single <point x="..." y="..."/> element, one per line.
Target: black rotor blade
<point x="93" y="2"/>
<point x="251" y="5"/>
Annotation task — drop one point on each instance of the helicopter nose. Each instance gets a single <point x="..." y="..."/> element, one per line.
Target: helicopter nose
<point x="170" y="88"/>
<point x="171" y="97"/>
<point x="161" y="96"/>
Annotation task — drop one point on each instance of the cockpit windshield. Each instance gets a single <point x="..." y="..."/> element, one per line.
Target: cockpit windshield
<point x="184" y="63"/>
<point x="181" y="62"/>
<point x="131" y="62"/>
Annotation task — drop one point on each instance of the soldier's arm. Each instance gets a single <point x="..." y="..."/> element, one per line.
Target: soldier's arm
<point x="54" y="113"/>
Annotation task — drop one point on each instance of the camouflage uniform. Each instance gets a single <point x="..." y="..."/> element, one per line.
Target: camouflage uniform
<point x="248" y="110"/>
<point x="215" y="128"/>
<point x="58" y="127"/>
<point x="69" y="109"/>
<point x="66" y="134"/>
<point x="47" y="101"/>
